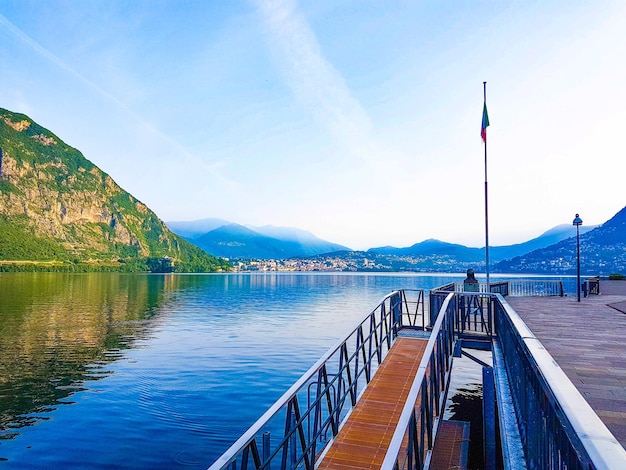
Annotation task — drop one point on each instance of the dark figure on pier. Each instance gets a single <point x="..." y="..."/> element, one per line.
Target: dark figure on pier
<point x="470" y="283"/>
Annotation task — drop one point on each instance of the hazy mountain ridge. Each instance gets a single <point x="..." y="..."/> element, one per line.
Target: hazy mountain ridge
<point x="232" y="240"/>
<point x="192" y="229"/>
<point x="237" y="241"/>
<point x="60" y="211"/>
<point x="603" y="252"/>
<point x="432" y="247"/>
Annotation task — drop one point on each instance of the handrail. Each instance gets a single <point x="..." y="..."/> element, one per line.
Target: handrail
<point x="558" y="428"/>
<point x="429" y="389"/>
<point x="335" y="382"/>
<point x="517" y="287"/>
<point x="411" y="316"/>
<point x="536" y="288"/>
<point x="475" y="310"/>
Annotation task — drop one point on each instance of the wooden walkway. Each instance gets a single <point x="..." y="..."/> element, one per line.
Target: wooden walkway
<point x="588" y="341"/>
<point x="451" y="446"/>
<point x="363" y="441"/>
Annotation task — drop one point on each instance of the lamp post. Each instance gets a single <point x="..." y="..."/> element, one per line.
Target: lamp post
<point x="577" y="222"/>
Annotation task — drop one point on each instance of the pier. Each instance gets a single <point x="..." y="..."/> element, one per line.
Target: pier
<point x="365" y="438"/>
<point x="376" y="400"/>
<point x="588" y="341"/>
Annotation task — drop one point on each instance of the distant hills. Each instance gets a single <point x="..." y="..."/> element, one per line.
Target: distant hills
<point x="59" y="211"/>
<point x="461" y="253"/>
<point x="227" y="239"/>
<point x="230" y="240"/>
<point x="603" y="250"/>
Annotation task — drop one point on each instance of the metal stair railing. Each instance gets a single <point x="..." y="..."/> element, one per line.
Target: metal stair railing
<point x="295" y="430"/>
<point x="413" y="440"/>
<point x="558" y="429"/>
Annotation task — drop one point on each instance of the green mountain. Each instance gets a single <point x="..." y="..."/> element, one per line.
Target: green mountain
<point x="58" y="211"/>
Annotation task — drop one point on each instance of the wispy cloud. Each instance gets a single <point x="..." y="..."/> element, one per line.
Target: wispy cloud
<point x="313" y="79"/>
<point x="45" y="53"/>
<point x="211" y="168"/>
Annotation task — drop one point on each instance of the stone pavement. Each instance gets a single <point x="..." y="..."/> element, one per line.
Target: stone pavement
<point x="588" y="341"/>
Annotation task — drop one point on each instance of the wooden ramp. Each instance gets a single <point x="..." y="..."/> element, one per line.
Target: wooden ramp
<point x="451" y="446"/>
<point x="363" y="441"/>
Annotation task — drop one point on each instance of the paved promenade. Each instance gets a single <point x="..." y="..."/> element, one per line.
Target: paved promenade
<point x="588" y="341"/>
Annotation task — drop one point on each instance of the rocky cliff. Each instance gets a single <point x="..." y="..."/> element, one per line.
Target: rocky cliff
<point x="59" y="209"/>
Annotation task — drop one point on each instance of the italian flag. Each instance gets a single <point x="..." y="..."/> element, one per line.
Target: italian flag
<point x="485" y="124"/>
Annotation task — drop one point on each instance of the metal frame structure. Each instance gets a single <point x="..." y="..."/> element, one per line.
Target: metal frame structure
<point x="544" y="420"/>
<point x="474" y="311"/>
<point x="295" y="430"/>
<point x="519" y="287"/>
<point x="413" y="440"/>
<point x="558" y="429"/>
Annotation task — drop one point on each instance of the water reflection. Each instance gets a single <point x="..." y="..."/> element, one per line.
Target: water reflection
<point x="59" y="330"/>
<point x="465" y="402"/>
<point x="225" y="337"/>
<point x="164" y="371"/>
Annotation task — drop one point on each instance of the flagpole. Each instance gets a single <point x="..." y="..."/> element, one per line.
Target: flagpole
<point x="486" y="198"/>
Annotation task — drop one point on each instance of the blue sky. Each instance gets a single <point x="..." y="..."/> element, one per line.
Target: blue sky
<point x="356" y="120"/>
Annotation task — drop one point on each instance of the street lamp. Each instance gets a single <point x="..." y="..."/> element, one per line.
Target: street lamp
<point x="577" y="222"/>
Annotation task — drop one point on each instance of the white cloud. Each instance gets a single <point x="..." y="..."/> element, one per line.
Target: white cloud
<point x="315" y="82"/>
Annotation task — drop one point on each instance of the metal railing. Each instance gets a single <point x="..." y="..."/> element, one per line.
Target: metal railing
<point x="413" y="439"/>
<point x="295" y="430"/>
<point x="539" y="288"/>
<point x="557" y="427"/>
<point x="474" y="314"/>
<point x="413" y="315"/>
<point x="517" y="288"/>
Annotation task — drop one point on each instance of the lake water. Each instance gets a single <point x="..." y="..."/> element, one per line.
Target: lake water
<point x="107" y="370"/>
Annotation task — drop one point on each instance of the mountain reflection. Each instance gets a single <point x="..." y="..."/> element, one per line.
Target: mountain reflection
<point x="59" y="330"/>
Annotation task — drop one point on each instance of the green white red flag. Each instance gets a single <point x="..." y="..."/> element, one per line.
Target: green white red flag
<point x="485" y="124"/>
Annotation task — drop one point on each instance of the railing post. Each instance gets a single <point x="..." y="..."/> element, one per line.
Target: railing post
<point x="489" y="418"/>
<point x="292" y="443"/>
<point x="396" y="308"/>
<point x="266" y="449"/>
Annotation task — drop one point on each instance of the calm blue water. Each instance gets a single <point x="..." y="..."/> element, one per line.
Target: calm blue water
<point x="161" y="371"/>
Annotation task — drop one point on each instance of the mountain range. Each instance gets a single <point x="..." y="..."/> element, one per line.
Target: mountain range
<point x="603" y="249"/>
<point x="496" y="253"/>
<point x="230" y="240"/>
<point x="59" y="211"/>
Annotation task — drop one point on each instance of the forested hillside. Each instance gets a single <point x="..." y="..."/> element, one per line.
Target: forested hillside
<point x="58" y="211"/>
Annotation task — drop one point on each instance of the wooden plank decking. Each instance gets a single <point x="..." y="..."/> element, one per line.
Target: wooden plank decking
<point x="451" y="446"/>
<point x="363" y="441"/>
<point x="588" y="341"/>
